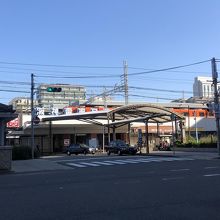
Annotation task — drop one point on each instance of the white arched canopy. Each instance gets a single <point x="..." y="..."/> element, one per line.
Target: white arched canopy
<point x="141" y="112"/>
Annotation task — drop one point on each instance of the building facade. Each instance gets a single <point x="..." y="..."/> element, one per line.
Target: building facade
<point x="68" y="95"/>
<point x="202" y="87"/>
<point x="22" y="104"/>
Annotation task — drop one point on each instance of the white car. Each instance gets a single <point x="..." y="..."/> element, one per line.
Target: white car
<point x="92" y="149"/>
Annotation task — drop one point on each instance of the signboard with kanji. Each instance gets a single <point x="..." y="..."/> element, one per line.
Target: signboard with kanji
<point x="13" y="123"/>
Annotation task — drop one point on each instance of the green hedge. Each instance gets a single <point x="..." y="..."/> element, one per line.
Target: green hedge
<point x="209" y="141"/>
<point x="195" y="145"/>
<point x="23" y="153"/>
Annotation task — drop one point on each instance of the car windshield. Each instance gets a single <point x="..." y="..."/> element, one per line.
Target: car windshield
<point x="120" y="143"/>
<point x="74" y="145"/>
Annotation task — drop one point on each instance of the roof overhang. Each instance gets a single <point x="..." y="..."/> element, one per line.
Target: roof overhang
<point x="123" y="115"/>
<point x="143" y="112"/>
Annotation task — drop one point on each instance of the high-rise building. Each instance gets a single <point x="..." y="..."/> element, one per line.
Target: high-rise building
<point x="202" y="87"/>
<point x="69" y="94"/>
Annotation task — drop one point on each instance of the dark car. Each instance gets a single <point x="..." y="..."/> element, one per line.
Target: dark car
<point x="120" y="147"/>
<point x="77" y="149"/>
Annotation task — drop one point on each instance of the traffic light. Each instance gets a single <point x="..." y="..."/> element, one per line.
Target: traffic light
<point x="54" y="89"/>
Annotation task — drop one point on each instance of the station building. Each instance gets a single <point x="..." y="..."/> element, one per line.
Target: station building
<point x="53" y="133"/>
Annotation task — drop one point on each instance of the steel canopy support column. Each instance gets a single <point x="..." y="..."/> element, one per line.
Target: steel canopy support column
<point x="114" y="134"/>
<point x="173" y="138"/>
<point x="113" y="129"/>
<point x="146" y="137"/>
<point x="129" y="132"/>
<point x="183" y="132"/>
<point x="103" y="139"/>
<point x="74" y="135"/>
<point x="176" y="127"/>
<point x="50" y="136"/>
<point x="158" y="130"/>
<point x="189" y="133"/>
<point x="109" y="137"/>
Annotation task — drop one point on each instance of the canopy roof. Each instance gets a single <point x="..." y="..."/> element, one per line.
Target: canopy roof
<point x="123" y="115"/>
<point x="142" y="112"/>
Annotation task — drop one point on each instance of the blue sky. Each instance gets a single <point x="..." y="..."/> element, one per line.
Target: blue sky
<point x="150" y="34"/>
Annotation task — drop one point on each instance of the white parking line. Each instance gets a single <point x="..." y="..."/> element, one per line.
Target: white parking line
<point x="210" y="175"/>
<point x="90" y="164"/>
<point x="173" y="178"/>
<point x="103" y="163"/>
<point x="211" y="167"/>
<point x="186" y="169"/>
<point x="128" y="161"/>
<point x="115" y="162"/>
<point x="75" y="165"/>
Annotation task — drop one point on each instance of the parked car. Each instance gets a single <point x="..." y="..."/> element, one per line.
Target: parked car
<point x="92" y="150"/>
<point x="120" y="147"/>
<point x="77" y="149"/>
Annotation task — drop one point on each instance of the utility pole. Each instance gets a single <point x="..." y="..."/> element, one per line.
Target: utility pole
<point x="32" y="115"/>
<point x="104" y="96"/>
<point x="216" y="101"/>
<point x="126" y="81"/>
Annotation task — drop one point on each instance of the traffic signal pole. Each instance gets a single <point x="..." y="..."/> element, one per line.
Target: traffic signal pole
<point x="32" y="115"/>
<point x="216" y="101"/>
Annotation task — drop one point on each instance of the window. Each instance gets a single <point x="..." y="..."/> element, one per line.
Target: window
<point x="185" y="113"/>
<point x="201" y="114"/>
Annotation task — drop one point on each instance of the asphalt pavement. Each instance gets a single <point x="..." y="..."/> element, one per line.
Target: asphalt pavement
<point x="169" y="188"/>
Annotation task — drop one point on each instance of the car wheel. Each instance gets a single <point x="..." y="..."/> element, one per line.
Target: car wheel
<point x="108" y="152"/>
<point x="68" y="153"/>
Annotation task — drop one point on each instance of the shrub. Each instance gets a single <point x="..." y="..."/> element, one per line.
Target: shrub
<point x="23" y="153"/>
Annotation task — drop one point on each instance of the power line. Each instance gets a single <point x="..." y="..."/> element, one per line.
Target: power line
<point x="151" y="97"/>
<point x="76" y="77"/>
<point x="44" y="70"/>
<point x="15" y="82"/>
<point x="7" y="90"/>
<point x="63" y="66"/>
<point x="164" y="79"/>
<point x="169" y="71"/>
<point x="3" y="71"/>
<point x="70" y="72"/>
<point x="159" y="90"/>
<point x="170" y="68"/>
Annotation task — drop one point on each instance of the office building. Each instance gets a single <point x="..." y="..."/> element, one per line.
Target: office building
<point x="203" y="88"/>
<point x="65" y="95"/>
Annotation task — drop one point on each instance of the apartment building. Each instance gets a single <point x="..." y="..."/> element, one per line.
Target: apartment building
<point x="65" y="96"/>
<point x="202" y="87"/>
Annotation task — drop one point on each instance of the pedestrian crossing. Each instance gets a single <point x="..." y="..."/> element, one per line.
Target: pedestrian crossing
<point x="113" y="162"/>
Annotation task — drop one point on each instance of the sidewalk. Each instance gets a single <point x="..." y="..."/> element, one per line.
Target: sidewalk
<point x="190" y="154"/>
<point x="21" y="166"/>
